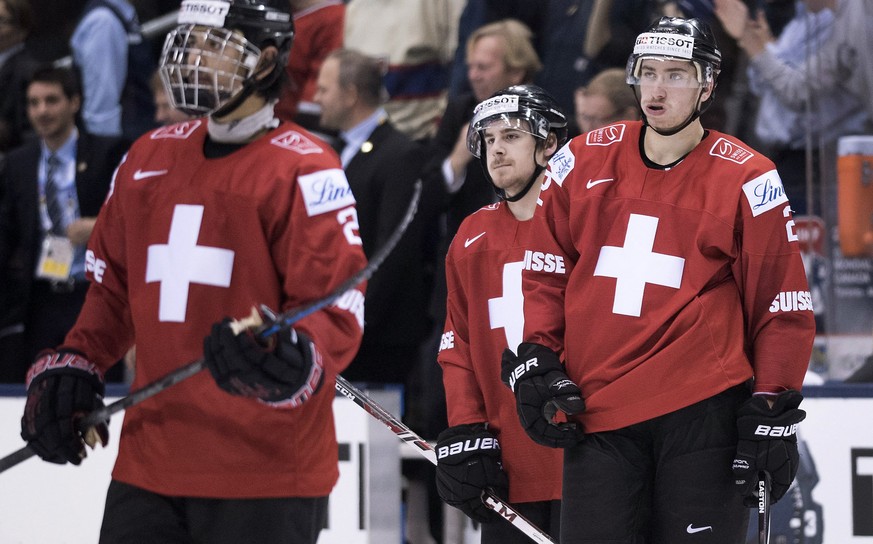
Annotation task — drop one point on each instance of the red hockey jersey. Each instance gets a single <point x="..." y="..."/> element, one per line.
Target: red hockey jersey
<point x="484" y="315"/>
<point x="677" y="283"/>
<point x="183" y="241"/>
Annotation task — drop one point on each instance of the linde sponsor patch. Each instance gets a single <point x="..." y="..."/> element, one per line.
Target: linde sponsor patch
<point x="179" y="131"/>
<point x="203" y="12"/>
<point x="605" y="136"/>
<point x="726" y="149"/>
<point x="297" y="142"/>
<point x="326" y="191"/>
<point x="765" y="192"/>
<point x="658" y="43"/>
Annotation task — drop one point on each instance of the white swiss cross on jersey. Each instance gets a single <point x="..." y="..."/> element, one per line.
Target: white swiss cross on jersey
<point x="181" y="262"/>
<point x="635" y="264"/>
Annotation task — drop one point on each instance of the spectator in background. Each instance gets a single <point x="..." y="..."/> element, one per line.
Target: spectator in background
<point x="561" y="47"/>
<point x="54" y="187"/>
<point x="382" y="165"/>
<point x="606" y="99"/>
<point x="416" y="41"/>
<point x="165" y="113"/>
<point x="115" y="99"/>
<point x="16" y="65"/>
<point x="318" y="30"/>
<point x="815" y="81"/>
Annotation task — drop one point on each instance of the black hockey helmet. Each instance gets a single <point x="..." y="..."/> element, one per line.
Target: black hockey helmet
<point x="527" y="108"/>
<point x="679" y="39"/>
<point x="236" y="31"/>
<point x="676" y="38"/>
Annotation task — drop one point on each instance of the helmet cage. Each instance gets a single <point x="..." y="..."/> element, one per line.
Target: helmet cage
<point x="204" y="68"/>
<point x="507" y="112"/>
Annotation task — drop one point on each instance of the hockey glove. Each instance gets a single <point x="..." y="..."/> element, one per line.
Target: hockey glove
<point x="468" y="462"/>
<point x="61" y="388"/>
<point x="286" y="373"/>
<point x="541" y="388"/>
<point x="767" y="442"/>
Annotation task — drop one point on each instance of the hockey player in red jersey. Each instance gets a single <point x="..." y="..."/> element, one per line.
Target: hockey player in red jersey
<point x="513" y="133"/>
<point x="205" y="219"/>
<point x="681" y="310"/>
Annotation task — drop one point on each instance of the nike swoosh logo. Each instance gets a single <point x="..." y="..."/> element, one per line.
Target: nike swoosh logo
<point x="592" y="182"/>
<point x="469" y="241"/>
<point x="143" y="174"/>
<point x="691" y="530"/>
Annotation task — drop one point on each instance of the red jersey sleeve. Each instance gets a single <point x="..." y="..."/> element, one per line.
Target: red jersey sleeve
<point x="770" y="276"/>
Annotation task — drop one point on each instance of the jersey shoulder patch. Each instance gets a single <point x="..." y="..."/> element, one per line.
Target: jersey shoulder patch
<point x="731" y="151"/>
<point x="325" y="191"/>
<point x="297" y="142"/>
<point x="178" y="131"/>
<point x="607" y="135"/>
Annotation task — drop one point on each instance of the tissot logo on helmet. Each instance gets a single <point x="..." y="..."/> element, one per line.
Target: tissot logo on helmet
<point x="203" y="12"/>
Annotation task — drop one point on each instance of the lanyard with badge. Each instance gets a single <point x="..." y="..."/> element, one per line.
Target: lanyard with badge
<point x="56" y="253"/>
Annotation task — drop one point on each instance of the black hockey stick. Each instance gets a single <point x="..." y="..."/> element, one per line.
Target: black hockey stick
<point x="421" y="445"/>
<point x="276" y="323"/>
<point x="764" y="507"/>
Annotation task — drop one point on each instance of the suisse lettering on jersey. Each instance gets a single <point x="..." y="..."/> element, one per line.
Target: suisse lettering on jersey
<point x="537" y="261"/>
<point x="791" y="301"/>
<point x="765" y="192"/>
<point x="179" y="131"/>
<point x="605" y="136"/>
<point x="726" y="149"/>
<point x="326" y="191"/>
<point x="94" y="265"/>
<point x="447" y="340"/>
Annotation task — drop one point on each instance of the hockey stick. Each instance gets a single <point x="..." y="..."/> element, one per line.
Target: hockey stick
<point x="764" y="507"/>
<point x="277" y="323"/>
<point x="421" y="445"/>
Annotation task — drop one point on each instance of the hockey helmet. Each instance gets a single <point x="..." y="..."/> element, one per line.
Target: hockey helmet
<point x="676" y="38"/>
<point x="209" y="61"/>
<point x="527" y="108"/>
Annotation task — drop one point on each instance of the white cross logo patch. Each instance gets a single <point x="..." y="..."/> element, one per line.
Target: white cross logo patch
<point x="635" y="265"/>
<point x="181" y="262"/>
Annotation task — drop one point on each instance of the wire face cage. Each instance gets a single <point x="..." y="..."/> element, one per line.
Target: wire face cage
<point x="203" y="68"/>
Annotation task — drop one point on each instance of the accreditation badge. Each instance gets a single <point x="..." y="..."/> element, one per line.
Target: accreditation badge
<point x="55" y="258"/>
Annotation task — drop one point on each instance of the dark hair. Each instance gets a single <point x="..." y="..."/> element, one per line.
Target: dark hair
<point x="64" y="77"/>
<point x="20" y="14"/>
<point x="362" y="72"/>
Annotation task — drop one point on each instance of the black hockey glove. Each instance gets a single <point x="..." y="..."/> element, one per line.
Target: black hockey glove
<point x="468" y="461"/>
<point x="541" y="388"/>
<point x="286" y="373"/>
<point x="61" y="388"/>
<point x="767" y="442"/>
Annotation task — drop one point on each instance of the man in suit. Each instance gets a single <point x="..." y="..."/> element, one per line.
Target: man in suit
<point x="52" y="189"/>
<point x="382" y="165"/>
<point x="16" y="64"/>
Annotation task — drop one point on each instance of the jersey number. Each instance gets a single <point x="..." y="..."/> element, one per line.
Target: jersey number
<point x="348" y="218"/>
